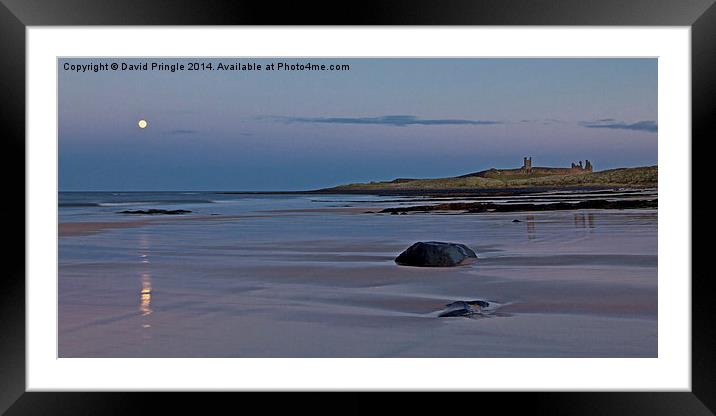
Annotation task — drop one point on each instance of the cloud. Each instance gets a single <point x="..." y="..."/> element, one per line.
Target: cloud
<point x="610" y="123"/>
<point x="544" y="121"/>
<point x="389" y="120"/>
<point x="183" y="131"/>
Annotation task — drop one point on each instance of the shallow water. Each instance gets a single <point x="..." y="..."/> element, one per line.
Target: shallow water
<point x="269" y="277"/>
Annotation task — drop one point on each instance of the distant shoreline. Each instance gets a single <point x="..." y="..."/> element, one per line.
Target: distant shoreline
<point x="445" y="192"/>
<point x="408" y="192"/>
<point x="523" y="178"/>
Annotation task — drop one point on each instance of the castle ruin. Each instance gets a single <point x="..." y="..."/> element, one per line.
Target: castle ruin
<point x="528" y="169"/>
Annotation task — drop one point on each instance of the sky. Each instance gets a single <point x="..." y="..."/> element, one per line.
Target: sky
<point x="382" y="119"/>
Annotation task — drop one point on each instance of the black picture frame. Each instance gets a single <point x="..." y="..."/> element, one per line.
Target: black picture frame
<point x="16" y="15"/>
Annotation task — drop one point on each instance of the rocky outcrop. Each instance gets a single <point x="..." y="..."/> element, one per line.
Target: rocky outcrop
<point x="479" y="207"/>
<point x="156" y="212"/>
<point x="463" y="308"/>
<point x="436" y="254"/>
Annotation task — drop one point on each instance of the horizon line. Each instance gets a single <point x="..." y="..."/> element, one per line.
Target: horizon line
<point x="302" y="190"/>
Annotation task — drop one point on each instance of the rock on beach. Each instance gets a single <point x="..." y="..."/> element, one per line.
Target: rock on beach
<point x="436" y="254"/>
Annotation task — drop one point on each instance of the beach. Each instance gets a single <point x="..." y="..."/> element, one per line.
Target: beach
<point x="260" y="275"/>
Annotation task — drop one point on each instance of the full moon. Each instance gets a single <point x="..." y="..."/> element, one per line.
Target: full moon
<point x="142" y="124"/>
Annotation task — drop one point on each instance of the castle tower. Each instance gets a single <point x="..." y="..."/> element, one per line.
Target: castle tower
<point x="527" y="164"/>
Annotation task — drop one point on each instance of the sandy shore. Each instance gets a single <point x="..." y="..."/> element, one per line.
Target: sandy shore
<point x="308" y="284"/>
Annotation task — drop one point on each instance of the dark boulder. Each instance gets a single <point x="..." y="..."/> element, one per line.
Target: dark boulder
<point x="436" y="254"/>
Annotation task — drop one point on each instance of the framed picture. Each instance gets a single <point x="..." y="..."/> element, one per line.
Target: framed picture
<point x="483" y="197"/>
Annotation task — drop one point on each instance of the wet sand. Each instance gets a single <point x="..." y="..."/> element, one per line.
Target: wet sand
<point x="324" y="284"/>
<point x="68" y="229"/>
<point x="80" y="228"/>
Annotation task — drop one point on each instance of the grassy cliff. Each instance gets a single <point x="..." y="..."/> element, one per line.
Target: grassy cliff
<point x="623" y="177"/>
